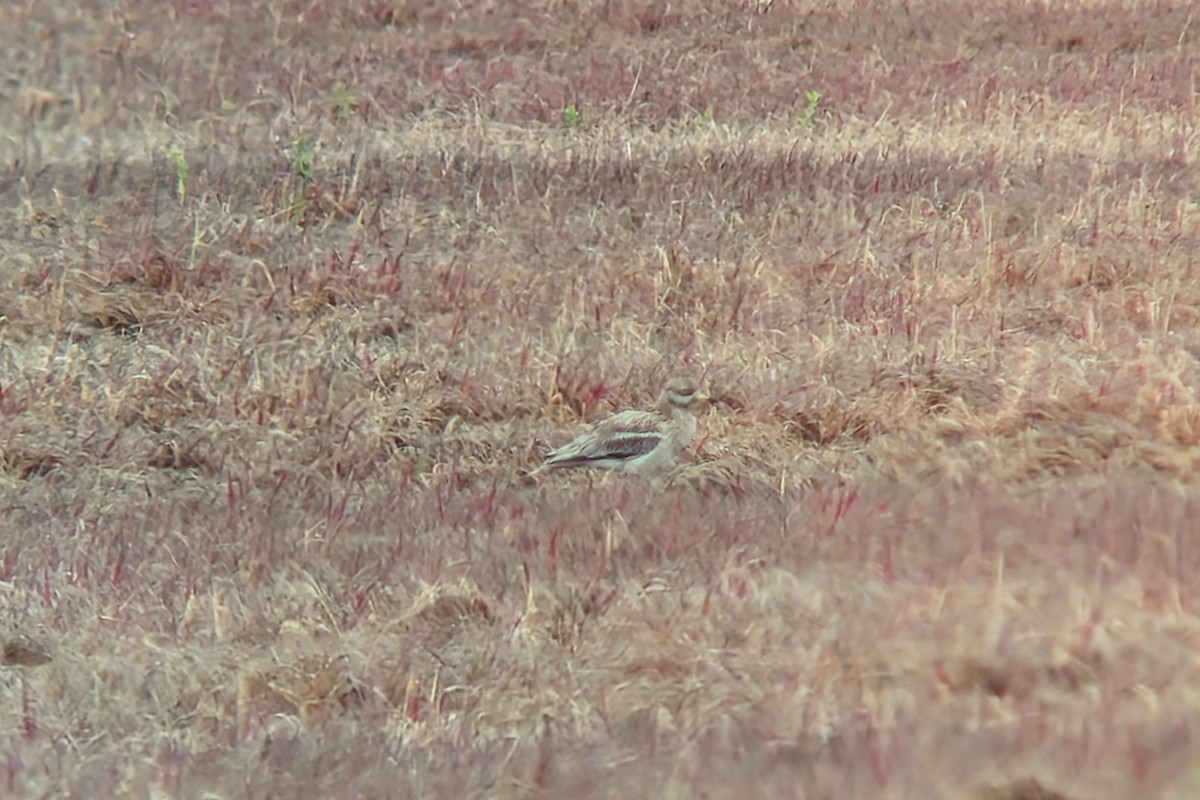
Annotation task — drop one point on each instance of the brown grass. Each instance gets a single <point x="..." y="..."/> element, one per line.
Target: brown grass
<point x="264" y="426"/>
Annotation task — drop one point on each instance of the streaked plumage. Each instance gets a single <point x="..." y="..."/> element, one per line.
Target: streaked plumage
<point x="635" y="441"/>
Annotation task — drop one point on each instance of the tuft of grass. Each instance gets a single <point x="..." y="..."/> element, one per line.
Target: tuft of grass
<point x="344" y="101"/>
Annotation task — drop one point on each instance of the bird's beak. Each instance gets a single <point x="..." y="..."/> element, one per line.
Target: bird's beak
<point x="701" y="397"/>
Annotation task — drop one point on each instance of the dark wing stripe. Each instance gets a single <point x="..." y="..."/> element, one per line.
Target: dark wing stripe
<point x="582" y="461"/>
<point x="628" y="444"/>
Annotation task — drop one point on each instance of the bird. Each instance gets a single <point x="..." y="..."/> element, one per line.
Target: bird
<point x="636" y="442"/>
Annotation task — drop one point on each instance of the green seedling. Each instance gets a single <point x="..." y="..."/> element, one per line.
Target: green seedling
<point x="811" y="99"/>
<point x="571" y="117"/>
<point x="179" y="162"/>
<point x="302" y="158"/>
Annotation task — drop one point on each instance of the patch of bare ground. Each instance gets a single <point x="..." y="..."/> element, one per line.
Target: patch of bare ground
<point x="293" y="296"/>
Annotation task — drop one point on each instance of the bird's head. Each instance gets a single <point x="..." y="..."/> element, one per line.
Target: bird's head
<point x="682" y="395"/>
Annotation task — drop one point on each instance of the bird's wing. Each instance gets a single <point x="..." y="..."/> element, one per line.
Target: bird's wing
<point x="620" y="437"/>
<point x="631" y="422"/>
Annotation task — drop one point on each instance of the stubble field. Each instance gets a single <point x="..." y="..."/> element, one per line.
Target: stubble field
<point x="295" y="294"/>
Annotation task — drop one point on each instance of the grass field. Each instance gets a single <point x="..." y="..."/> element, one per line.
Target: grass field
<point x="294" y="295"/>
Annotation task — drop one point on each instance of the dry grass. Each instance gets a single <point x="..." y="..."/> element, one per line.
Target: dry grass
<point x="295" y="293"/>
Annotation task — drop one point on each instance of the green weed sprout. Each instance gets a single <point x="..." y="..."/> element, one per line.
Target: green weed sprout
<point x="571" y="117"/>
<point x="179" y="162"/>
<point x="811" y="98"/>
<point x="302" y="158"/>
